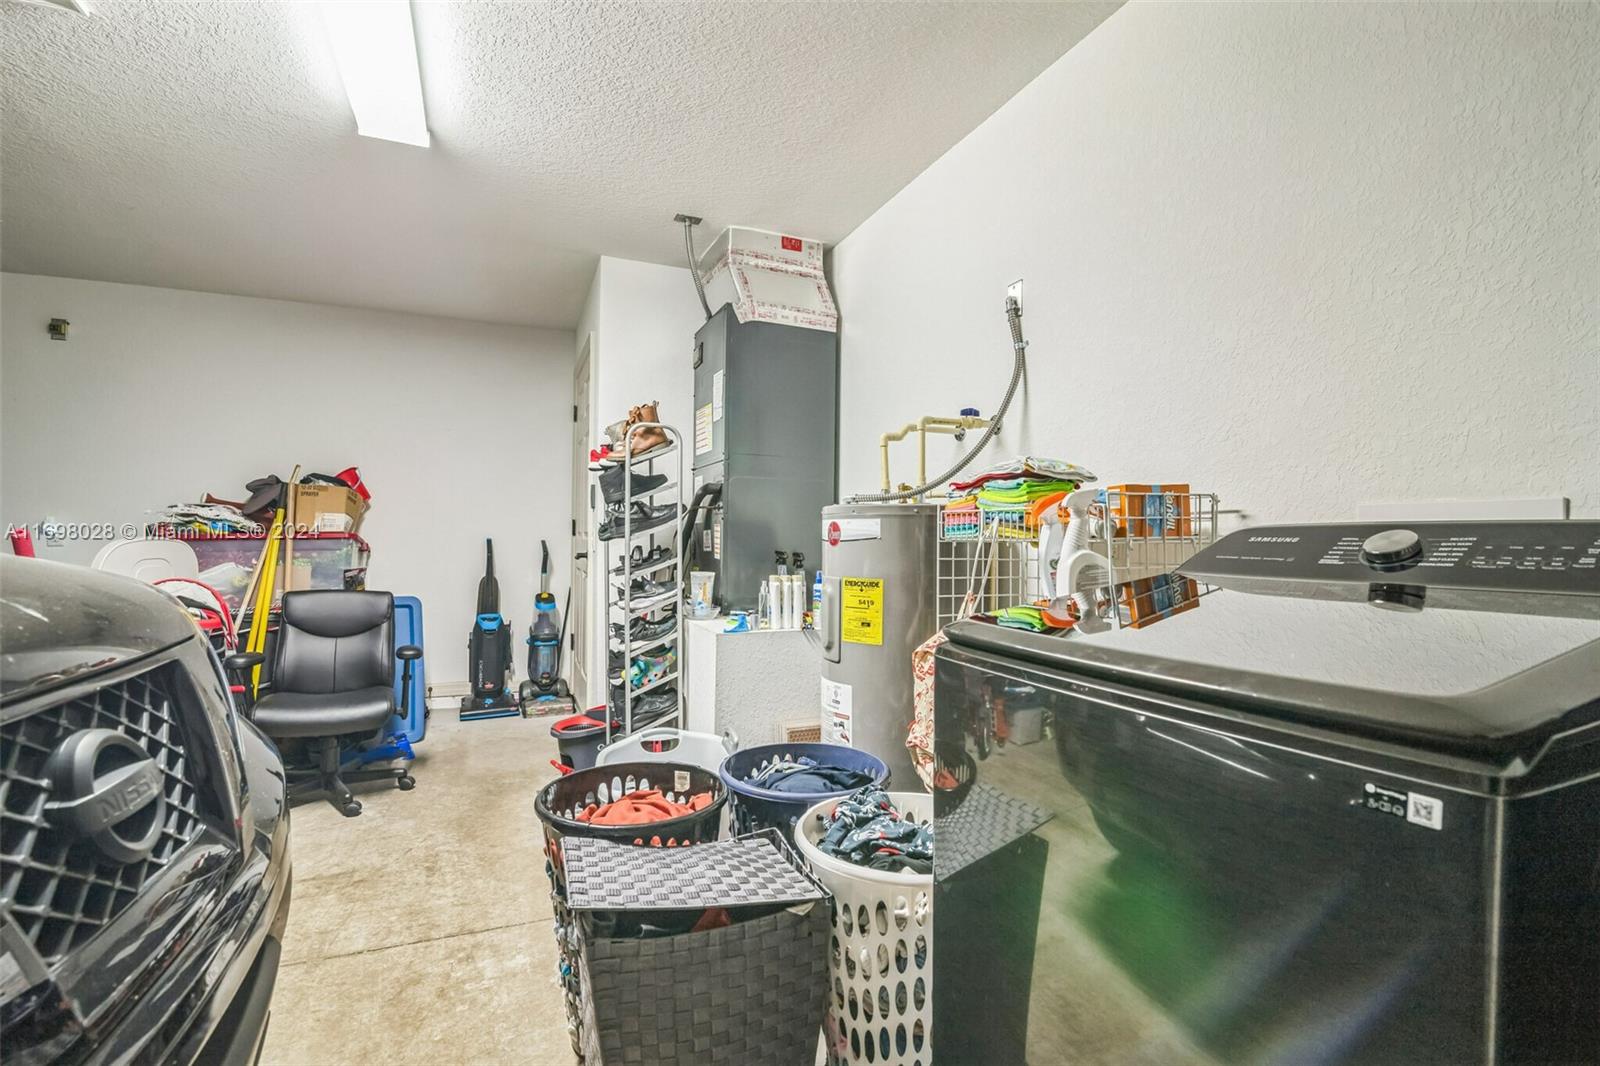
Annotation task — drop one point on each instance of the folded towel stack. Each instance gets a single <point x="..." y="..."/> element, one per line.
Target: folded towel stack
<point x="961" y="519"/>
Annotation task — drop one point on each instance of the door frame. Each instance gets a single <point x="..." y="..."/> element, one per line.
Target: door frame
<point x="578" y="668"/>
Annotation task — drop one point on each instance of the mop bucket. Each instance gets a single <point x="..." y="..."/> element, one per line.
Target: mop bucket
<point x="880" y="966"/>
<point x="579" y="739"/>
<point x="755" y="808"/>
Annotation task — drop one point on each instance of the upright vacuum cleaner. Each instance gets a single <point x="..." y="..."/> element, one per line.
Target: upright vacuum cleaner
<point x="489" y="654"/>
<point x="545" y="691"/>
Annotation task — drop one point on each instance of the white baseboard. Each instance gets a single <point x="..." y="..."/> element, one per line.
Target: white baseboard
<point x="448" y="690"/>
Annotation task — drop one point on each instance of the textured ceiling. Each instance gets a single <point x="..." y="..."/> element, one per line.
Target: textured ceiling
<point x="209" y="145"/>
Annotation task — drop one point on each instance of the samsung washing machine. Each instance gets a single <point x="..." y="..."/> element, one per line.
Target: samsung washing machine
<point x="1326" y="794"/>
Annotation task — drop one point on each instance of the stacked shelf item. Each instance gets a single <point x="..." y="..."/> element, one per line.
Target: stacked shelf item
<point x="644" y="583"/>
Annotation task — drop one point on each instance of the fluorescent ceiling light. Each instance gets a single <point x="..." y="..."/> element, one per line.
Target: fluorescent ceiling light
<point x="376" y="49"/>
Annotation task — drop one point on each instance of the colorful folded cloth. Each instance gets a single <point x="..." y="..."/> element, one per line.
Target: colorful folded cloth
<point x="1037" y="509"/>
<point x="960" y="518"/>
<point x="1022" y="617"/>
<point x="641" y="807"/>
<point x="1022" y="492"/>
<point x="1025" y="466"/>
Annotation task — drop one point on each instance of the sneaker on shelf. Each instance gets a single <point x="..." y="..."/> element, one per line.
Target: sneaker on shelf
<point x="640" y="559"/>
<point x="643" y="517"/>
<point x="645" y="629"/>
<point x="614" y="483"/>
<point x="654" y="704"/>
<point x="644" y="669"/>
<point x="644" y="588"/>
<point x="604" y="458"/>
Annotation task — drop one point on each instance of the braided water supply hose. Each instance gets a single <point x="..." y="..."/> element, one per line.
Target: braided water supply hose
<point x="1020" y="348"/>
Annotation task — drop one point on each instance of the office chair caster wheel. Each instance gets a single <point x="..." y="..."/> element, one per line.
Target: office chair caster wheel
<point x="406" y="782"/>
<point x="350" y="808"/>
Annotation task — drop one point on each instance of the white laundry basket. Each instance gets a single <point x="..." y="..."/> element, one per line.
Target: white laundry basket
<point x="880" y="966"/>
<point x="705" y="750"/>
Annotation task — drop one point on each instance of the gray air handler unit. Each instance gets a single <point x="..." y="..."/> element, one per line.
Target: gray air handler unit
<point x="766" y="388"/>
<point x="878" y="604"/>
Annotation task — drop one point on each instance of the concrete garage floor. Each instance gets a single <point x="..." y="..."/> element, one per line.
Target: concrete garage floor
<point x="420" y="931"/>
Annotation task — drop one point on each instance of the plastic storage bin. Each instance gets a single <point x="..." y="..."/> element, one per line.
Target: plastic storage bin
<point x="881" y="964"/>
<point x="1027" y="725"/>
<point x="665" y="744"/>
<point x="317" y="561"/>
<point x="408" y="630"/>
<point x="754" y="808"/>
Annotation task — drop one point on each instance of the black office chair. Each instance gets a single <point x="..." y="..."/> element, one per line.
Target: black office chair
<point x="332" y="680"/>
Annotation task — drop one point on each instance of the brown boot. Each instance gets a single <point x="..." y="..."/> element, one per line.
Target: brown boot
<point x="651" y="437"/>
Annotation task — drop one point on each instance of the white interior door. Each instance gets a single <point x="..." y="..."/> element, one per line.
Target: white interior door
<point x="578" y="624"/>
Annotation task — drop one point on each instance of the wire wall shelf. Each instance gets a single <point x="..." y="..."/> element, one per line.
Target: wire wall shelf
<point x="1139" y="536"/>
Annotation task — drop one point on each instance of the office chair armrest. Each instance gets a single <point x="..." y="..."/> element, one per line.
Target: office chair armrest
<point x="406" y="653"/>
<point x="240" y="661"/>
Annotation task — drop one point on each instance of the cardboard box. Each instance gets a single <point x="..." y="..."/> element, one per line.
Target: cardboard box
<point x="1149" y="510"/>
<point x="328" y="509"/>
<point x="1151" y="599"/>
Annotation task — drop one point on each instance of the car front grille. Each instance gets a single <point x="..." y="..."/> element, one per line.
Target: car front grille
<point x="56" y="883"/>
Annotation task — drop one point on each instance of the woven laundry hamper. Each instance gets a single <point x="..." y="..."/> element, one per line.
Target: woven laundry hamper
<point x="880" y="1006"/>
<point x="746" y="993"/>
<point x="557" y="804"/>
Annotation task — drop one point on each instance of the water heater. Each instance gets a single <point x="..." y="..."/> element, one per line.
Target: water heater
<point x="878" y="605"/>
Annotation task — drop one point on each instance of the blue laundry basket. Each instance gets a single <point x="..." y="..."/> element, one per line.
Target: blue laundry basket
<point x="754" y="808"/>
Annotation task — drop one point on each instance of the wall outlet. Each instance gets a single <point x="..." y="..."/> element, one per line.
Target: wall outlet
<point x="1014" y="292"/>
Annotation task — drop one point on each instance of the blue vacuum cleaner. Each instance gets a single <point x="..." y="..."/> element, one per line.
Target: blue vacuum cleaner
<point x="545" y="691"/>
<point x="489" y="654"/>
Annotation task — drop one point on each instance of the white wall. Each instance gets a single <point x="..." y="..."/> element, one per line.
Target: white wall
<point x="647" y="317"/>
<point x="1303" y="255"/>
<point x="644" y="317"/>
<point x="161" y="395"/>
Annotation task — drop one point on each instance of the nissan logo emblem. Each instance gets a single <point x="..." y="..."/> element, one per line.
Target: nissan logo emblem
<point x="106" y="787"/>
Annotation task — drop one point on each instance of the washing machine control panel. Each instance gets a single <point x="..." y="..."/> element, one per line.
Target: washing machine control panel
<point x="1510" y="556"/>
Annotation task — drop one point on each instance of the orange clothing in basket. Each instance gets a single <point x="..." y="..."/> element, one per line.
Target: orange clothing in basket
<point x="640" y="807"/>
